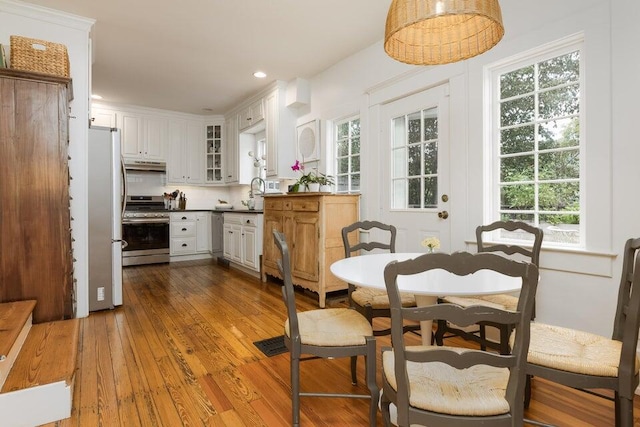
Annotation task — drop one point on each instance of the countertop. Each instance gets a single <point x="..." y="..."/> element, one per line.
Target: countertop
<point x="245" y="211"/>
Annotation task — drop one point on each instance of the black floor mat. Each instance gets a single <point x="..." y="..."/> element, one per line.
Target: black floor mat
<point x="272" y="346"/>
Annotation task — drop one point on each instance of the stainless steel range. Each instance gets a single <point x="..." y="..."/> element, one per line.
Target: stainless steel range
<point x="145" y="228"/>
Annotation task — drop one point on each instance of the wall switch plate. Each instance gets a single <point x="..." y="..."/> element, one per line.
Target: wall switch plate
<point x="101" y="294"/>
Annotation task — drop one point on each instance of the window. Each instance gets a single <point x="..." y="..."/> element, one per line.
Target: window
<point x="414" y="152"/>
<point x="537" y="143"/>
<point x="347" y="140"/>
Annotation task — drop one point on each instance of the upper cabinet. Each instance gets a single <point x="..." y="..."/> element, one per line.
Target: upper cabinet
<point x="214" y="153"/>
<point x="102" y="117"/>
<point x="186" y="145"/>
<point x="251" y="115"/>
<point x="231" y="150"/>
<point x="143" y="138"/>
<point x="280" y="135"/>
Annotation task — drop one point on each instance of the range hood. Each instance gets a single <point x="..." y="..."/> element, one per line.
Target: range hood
<point x="145" y="165"/>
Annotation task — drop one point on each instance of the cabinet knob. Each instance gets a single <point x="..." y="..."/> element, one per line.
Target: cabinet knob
<point x="184" y="229"/>
<point x="184" y="245"/>
<point x="184" y="217"/>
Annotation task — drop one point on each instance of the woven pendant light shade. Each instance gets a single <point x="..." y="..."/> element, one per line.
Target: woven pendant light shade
<point x="430" y="32"/>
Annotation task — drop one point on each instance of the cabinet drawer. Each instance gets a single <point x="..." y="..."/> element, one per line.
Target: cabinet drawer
<point x="183" y="216"/>
<point x="183" y="245"/>
<point x="183" y="229"/>
<point x="273" y="205"/>
<point x="232" y="218"/>
<point x="250" y="220"/>
<point x="306" y="205"/>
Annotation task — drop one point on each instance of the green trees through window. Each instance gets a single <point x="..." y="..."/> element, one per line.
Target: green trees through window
<point x="539" y="146"/>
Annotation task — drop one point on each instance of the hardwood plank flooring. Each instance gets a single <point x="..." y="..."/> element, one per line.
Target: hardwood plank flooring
<point x="180" y="352"/>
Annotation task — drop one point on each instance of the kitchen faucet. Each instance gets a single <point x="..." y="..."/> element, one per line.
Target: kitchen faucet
<point x="260" y="181"/>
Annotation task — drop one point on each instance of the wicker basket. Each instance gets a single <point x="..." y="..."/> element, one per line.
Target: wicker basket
<point x="40" y="56"/>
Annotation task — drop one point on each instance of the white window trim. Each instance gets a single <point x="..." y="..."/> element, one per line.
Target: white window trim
<point x="491" y="133"/>
<point x="334" y="152"/>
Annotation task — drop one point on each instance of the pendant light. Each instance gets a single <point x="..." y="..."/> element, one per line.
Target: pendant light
<point x="431" y="32"/>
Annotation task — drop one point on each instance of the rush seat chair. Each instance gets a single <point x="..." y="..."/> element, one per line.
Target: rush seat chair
<point x="325" y="333"/>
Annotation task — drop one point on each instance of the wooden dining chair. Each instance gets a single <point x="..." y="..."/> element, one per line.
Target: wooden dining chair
<point x="452" y="386"/>
<point x="325" y="333"/>
<point x="372" y="303"/>
<point x="503" y="301"/>
<point x="588" y="361"/>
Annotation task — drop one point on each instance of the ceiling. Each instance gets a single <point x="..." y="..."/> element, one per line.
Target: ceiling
<point x="199" y="56"/>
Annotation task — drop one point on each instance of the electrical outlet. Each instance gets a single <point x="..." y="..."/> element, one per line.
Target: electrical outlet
<point x="101" y="294"/>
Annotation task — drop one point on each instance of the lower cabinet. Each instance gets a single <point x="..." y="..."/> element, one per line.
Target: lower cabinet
<point x="243" y="239"/>
<point x="312" y="225"/>
<point x="190" y="233"/>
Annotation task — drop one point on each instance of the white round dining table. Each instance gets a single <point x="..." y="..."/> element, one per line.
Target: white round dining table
<point x="368" y="271"/>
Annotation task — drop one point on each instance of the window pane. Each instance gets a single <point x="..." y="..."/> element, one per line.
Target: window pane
<point x="431" y="192"/>
<point x="414" y="193"/>
<point x="355" y="146"/>
<point x="343" y="183"/>
<point x="517" y="82"/>
<point x="343" y="148"/>
<point x="563" y="196"/>
<point x="431" y="158"/>
<point x="414" y="127"/>
<point x="399" y="132"/>
<point x="559" y="70"/>
<point x="343" y="130"/>
<point x="414" y="160"/>
<point x="559" y="133"/>
<point x="561" y="228"/>
<point x="355" y="182"/>
<point x="560" y="165"/>
<point x="517" y="111"/>
<point x="518" y="168"/>
<point x="399" y="163"/>
<point x="517" y="197"/>
<point x="528" y="218"/>
<point x="343" y="165"/>
<point x="430" y="124"/>
<point x="517" y="140"/>
<point x="355" y="164"/>
<point x="355" y="128"/>
<point x="560" y="102"/>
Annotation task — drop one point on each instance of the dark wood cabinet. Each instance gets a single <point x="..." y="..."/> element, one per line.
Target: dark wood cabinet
<point x="36" y="260"/>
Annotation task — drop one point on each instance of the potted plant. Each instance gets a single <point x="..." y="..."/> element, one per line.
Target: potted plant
<point x="307" y="182"/>
<point x="326" y="181"/>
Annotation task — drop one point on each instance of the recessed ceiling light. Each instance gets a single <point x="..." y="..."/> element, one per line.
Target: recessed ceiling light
<point x="95" y="96"/>
<point x="260" y="74"/>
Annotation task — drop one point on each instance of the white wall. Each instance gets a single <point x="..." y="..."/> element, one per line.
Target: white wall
<point x="18" y="18"/>
<point x="578" y="288"/>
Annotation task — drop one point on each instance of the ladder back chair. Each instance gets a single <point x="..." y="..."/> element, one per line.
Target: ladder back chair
<point x="325" y="333"/>
<point x="503" y="301"/>
<point x="452" y="386"/>
<point x="372" y="303"/>
<point x="588" y="361"/>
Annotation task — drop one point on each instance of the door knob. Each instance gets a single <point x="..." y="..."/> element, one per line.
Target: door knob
<point x="443" y="214"/>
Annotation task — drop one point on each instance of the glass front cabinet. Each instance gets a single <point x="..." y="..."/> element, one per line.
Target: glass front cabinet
<point x="214" y="154"/>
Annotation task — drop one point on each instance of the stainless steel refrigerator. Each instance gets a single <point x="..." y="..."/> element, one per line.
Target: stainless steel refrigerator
<point x="105" y="218"/>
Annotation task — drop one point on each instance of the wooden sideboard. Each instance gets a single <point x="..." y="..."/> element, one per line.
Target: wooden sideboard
<point x="312" y="224"/>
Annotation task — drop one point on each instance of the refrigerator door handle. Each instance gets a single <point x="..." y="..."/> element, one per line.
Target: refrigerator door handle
<point x="124" y="186"/>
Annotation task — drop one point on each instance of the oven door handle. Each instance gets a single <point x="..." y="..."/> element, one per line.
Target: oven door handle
<point x="145" y="221"/>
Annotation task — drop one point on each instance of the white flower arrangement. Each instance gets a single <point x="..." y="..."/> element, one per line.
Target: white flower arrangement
<point x="432" y="243"/>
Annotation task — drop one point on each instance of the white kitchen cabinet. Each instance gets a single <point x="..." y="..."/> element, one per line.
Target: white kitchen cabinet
<point x="103" y="117"/>
<point x="143" y="138"/>
<point x="214" y="154"/>
<point x="231" y="150"/>
<point x="186" y="161"/>
<point x="251" y="115"/>
<point x="189" y="234"/>
<point x="203" y="232"/>
<point x="279" y="135"/>
<point x="243" y="239"/>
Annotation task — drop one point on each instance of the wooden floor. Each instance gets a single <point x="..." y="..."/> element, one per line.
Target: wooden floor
<point x="180" y="352"/>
